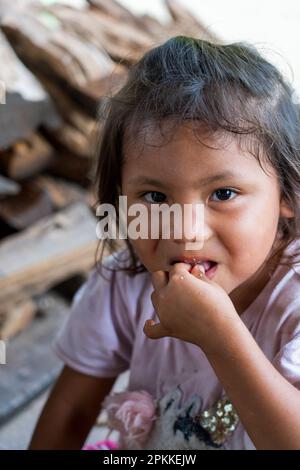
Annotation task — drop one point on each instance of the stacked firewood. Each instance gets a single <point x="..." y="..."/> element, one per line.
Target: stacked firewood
<point x="59" y="62"/>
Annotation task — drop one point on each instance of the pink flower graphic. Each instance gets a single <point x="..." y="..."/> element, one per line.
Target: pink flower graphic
<point x="133" y="415"/>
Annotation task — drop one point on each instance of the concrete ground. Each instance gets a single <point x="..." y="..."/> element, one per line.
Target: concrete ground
<point x="16" y="433"/>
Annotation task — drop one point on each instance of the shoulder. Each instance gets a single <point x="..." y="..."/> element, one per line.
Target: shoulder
<point x="114" y="267"/>
<point x="100" y="331"/>
<point x="108" y="282"/>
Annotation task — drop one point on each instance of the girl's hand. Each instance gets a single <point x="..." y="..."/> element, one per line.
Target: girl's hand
<point x="190" y="307"/>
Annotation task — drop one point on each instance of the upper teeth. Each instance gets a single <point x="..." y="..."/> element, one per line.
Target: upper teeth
<point x="205" y="264"/>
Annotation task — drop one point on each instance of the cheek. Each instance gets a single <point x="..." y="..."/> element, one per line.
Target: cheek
<point x="250" y="235"/>
<point x="146" y="250"/>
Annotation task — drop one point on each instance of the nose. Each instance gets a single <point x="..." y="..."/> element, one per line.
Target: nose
<point x="195" y="229"/>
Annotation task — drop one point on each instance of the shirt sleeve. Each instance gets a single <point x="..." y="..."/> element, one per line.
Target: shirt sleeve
<point x="287" y="360"/>
<point x="98" y="335"/>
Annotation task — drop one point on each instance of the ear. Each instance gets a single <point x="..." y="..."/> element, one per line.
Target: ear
<point x="285" y="210"/>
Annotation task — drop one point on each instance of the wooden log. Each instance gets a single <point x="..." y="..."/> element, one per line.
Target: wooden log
<point x="53" y="50"/>
<point x="117" y="11"/>
<point x="60" y="55"/>
<point x="121" y="41"/>
<point x="27" y="207"/>
<point x="114" y="9"/>
<point x="89" y="96"/>
<point x="72" y="167"/>
<point x="25" y="104"/>
<point x="69" y="110"/>
<point x="154" y="27"/>
<point x="52" y="250"/>
<point x="185" y="22"/>
<point x="79" y="105"/>
<point x="26" y="157"/>
<point x="8" y="187"/>
<point x="38" y="198"/>
<point x="61" y="192"/>
<point x="68" y="138"/>
<point x="17" y="316"/>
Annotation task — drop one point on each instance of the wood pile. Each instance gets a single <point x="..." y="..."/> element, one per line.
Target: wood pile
<point x="60" y="61"/>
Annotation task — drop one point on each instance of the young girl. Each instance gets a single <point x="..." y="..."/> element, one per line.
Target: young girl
<point x="211" y="336"/>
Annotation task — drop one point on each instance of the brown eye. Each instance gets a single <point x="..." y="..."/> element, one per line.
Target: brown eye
<point x="154" y="197"/>
<point x="224" y="194"/>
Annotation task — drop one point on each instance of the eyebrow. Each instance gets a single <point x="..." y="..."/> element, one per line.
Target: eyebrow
<point x="203" y="181"/>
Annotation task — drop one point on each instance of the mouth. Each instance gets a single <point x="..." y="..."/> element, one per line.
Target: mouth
<point x="210" y="266"/>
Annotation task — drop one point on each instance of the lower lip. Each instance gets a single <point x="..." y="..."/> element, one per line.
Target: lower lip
<point x="210" y="272"/>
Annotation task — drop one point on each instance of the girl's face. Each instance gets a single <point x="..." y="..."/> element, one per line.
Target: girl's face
<point x="241" y="208"/>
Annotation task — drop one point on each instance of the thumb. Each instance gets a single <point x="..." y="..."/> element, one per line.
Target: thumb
<point x="154" y="330"/>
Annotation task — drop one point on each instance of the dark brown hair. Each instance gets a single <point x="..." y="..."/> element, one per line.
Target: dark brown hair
<point x="222" y="88"/>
